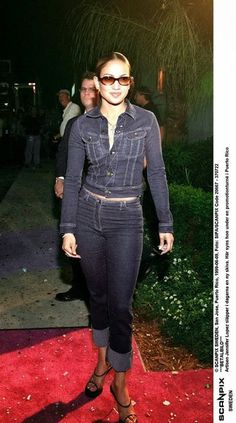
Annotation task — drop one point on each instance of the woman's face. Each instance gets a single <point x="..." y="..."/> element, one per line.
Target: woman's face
<point x="113" y="94"/>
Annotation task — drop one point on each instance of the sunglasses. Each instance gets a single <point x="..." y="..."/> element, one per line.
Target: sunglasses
<point x="110" y="80"/>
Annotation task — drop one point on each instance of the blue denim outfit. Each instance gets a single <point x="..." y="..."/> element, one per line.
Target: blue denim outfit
<point x="110" y="233"/>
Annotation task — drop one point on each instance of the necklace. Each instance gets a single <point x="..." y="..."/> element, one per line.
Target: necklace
<point x="111" y="132"/>
<point x="111" y="126"/>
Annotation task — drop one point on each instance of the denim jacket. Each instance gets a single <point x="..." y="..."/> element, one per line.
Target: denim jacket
<point x="115" y="172"/>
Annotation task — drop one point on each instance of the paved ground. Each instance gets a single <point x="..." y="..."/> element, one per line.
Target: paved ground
<point x="32" y="268"/>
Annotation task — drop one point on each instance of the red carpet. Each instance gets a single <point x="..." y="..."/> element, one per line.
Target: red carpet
<point x="43" y="374"/>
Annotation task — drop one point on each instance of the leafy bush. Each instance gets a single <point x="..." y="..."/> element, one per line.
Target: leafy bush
<point x="176" y="288"/>
<point x="190" y="163"/>
<point x="193" y="229"/>
<point x="192" y="209"/>
<point x="181" y="303"/>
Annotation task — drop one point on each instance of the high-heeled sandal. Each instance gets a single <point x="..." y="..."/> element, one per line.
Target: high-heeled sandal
<point x="93" y="394"/>
<point x="129" y="416"/>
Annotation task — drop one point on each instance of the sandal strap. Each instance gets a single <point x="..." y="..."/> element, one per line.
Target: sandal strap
<point x="103" y="374"/>
<point x="119" y="403"/>
<point x="91" y="381"/>
<point x="128" y="417"/>
<point x="123" y="406"/>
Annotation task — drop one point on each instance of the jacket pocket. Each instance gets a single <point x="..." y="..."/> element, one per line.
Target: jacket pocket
<point x="134" y="143"/>
<point x="94" y="147"/>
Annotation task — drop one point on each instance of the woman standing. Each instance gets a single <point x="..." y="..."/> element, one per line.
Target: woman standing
<point x="102" y="216"/>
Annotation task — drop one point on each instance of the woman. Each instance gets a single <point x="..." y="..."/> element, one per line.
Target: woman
<point x="102" y="216"/>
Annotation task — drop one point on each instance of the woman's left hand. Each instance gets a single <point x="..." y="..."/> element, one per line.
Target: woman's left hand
<point x="166" y="242"/>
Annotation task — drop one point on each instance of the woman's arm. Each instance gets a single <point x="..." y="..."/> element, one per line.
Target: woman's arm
<point x="156" y="177"/>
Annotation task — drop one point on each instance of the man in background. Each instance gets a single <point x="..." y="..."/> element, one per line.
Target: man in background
<point x="143" y="98"/>
<point x="89" y="99"/>
<point x="70" y="110"/>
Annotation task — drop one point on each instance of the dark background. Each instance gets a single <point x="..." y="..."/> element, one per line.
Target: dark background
<point x="33" y="36"/>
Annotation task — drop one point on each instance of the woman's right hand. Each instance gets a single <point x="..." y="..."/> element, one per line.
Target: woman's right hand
<point x="69" y="246"/>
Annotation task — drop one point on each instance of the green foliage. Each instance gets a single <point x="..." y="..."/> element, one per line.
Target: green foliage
<point x="176" y="289"/>
<point x="202" y="96"/>
<point x="193" y="229"/>
<point x="181" y="303"/>
<point x="190" y="163"/>
<point x="178" y="160"/>
<point x="193" y="226"/>
<point x="189" y="168"/>
<point x="163" y="37"/>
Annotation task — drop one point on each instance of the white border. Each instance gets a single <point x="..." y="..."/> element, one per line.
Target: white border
<point x="224" y="198"/>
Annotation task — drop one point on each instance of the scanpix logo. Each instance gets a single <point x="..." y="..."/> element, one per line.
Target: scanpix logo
<point x="221" y="399"/>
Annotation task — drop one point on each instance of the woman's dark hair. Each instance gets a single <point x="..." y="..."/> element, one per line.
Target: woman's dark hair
<point x="112" y="56"/>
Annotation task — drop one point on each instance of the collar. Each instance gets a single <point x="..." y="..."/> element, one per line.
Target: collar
<point x="130" y="110"/>
<point x="67" y="107"/>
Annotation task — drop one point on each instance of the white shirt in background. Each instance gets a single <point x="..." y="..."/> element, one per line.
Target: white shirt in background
<point x="71" y="110"/>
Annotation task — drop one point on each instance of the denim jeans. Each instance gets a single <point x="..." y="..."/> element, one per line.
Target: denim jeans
<point x="32" y="150"/>
<point x="110" y="240"/>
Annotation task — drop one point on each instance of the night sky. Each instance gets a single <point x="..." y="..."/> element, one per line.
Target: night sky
<point x="34" y="37"/>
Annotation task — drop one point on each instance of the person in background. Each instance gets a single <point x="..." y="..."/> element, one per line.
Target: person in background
<point x="1" y="126"/>
<point x="102" y="221"/>
<point x="32" y="124"/>
<point x="89" y="99"/>
<point x="143" y="98"/>
<point x="70" y="110"/>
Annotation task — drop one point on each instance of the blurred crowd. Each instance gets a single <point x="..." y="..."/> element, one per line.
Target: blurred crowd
<point x="15" y="128"/>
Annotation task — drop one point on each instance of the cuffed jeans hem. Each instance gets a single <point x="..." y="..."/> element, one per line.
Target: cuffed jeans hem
<point x="120" y="362"/>
<point x="101" y="337"/>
